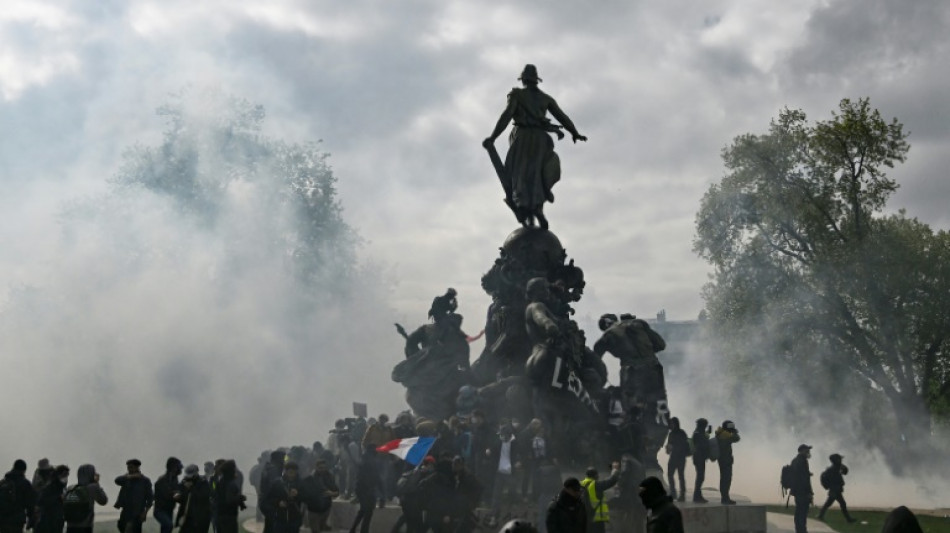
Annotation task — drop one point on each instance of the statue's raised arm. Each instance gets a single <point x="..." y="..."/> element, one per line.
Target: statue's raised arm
<point x="531" y="166"/>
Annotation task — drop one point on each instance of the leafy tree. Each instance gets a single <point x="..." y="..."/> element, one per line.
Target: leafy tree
<point x="213" y="149"/>
<point x="810" y="274"/>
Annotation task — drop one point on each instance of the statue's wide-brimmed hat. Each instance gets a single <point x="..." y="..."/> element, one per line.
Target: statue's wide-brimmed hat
<point x="530" y="73"/>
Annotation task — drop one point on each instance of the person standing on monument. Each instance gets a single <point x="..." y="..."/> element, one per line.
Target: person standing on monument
<point x="726" y="436"/>
<point x="700" y="456"/>
<point x="531" y="166"/>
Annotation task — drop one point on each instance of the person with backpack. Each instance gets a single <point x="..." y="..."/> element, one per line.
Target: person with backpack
<point x="677" y="446"/>
<point x="17" y="500"/>
<point x="598" y="513"/>
<point x="80" y="500"/>
<point x="799" y="485"/>
<point x="194" y="502"/>
<point x="726" y="436"/>
<point x="49" y="502"/>
<point x="134" y="499"/>
<point x="832" y="480"/>
<point x="166" y="495"/>
<point x="700" y="456"/>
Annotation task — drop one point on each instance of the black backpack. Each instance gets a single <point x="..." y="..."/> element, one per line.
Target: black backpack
<point x="786" y="479"/>
<point x="77" y="505"/>
<point x="8" y="499"/>
<point x="825" y="479"/>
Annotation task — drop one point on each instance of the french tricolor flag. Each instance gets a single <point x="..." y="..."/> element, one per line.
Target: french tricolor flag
<point x="412" y="450"/>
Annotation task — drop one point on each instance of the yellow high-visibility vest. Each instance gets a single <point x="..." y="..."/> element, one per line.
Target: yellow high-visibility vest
<point x="601" y="512"/>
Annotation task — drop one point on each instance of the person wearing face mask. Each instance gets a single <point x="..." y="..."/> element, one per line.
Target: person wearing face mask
<point x="801" y="487"/>
<point x="194" y="499"/>
<point x="664" y="516"/>
<point x="700" y="456"/>
<point x="726" y="436"/>
<point x="49" y="502"/>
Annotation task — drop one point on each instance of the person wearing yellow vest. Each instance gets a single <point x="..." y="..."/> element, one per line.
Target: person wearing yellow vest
<point x="593" y="493"/>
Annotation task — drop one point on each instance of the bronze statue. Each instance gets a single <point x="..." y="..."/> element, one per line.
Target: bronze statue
<point x="531" y="166"/>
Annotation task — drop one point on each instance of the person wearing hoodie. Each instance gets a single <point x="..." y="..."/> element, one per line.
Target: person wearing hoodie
<point x="664" y="516"/>
<point x="700" y="456"/>
<point x="677" y="445"/>
<point x="228" y="498"/>
<point x="49" y="502"/>
<point x="726" y="436"/>
<point x="17" y="499"/>
<point x="566" y="514"/>
<point x="87" y="479"/>
<point x="134" y="499"/>
<point x="832" y="479"/>
<point x="368" y="485"/>
<point x="194" y="502"/>
<point x="166" y="492"/>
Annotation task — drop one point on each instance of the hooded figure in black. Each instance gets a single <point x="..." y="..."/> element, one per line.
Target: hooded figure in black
<point x="166" y="495"/>
<point x="567" y="514"/>
<point x="17" y="499"/>
<point x="194" y="511"/>
<point x="228" y="498"/>
<point x="50" y="502"/>
<point x="833" y="480"/>
<point x="368" y="482"/>
<point x="664" y="516"/>
<point x="135" y="498"/>
<point x="677" y="445"/>
<point x="901" y="520"/>
<point x="700" y="456"/>
<point x="272" y="472"/>
<point x="440" y="499"/>
<point x="87" y="479"/>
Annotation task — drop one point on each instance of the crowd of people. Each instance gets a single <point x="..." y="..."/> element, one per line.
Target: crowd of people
<point x="181" y="497"/>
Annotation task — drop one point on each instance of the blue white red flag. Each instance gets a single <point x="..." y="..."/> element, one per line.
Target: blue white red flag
<point x="412" y="450"/>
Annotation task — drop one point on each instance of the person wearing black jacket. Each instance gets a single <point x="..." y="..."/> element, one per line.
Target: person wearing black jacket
<point x="272" y="472"/>
<point x="166" y="489"/>
<point x="228" y="498"/>
<point x="440" y="498"/>
<point x="318" y="490"/>
<point x="664" y="516"/>
<point x="566" y="514"/>
<point x="700" y="456"/>
<point x="468" y="494"/>
<point x="677" y="445"/>
<point x="194" y="498"/>
<point x="49" y="502"/>
<point x="368" y="484"/>
<point x="135" y="498"/>
<point x="19" y="499"/>
<point x="833" y="480"/>
<point x="801" y="487"/>
<point x="282" y="502"/>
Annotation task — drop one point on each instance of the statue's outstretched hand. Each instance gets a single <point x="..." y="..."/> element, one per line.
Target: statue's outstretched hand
<point x="488" y="142"/>
<point x="579" y="137"/>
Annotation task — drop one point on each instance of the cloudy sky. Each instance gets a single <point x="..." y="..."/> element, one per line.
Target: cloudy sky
<point x="402" y="94"/>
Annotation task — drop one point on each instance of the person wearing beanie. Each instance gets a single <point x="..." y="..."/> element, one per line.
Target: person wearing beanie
<point x="167" y="494"/>
<point x="18" y="491"/>
<point x="726" y="436"/>
<point x="49" y="502"/>
<point x="567" y="514"/>
<point x="800" y="488"/>
<point x="700" y="455"/>
<point x="832" y="479"/>
<point x="664" y="516"/>
<point x="135" y="497"/>
<point x="87" y="479"/>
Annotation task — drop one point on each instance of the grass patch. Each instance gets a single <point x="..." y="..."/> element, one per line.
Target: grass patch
<point x="874" y="519"/>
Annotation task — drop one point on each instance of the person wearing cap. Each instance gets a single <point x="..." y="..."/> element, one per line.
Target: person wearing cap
<point x="800" y="487"/>
<point x="567" y="514"/>
<point x="665" y="517"/>
<point x="49" y="502"/>
<point x="166" y="494"/>
<point x="726" y="436"/>
<point x="833" y="480"/>
<point x="700" y="456"/>
<point x="14" y="486"/>
<point x="87" y="479"/>
<point x="194" y="502"/>
<point x="531" y="166"/>
<point x="135" y="497"/>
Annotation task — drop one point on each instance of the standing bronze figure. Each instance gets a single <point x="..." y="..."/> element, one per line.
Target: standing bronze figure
<point x="531" y="166"/>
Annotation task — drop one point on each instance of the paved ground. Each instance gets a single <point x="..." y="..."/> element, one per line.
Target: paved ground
<point x="783" y="523"/>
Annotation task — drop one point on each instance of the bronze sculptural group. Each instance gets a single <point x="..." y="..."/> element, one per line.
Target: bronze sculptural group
<point x="536" y="362"/>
